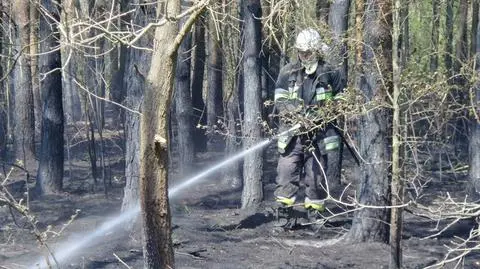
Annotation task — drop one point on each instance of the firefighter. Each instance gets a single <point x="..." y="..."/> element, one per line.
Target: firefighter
<point x="303" y="87"/>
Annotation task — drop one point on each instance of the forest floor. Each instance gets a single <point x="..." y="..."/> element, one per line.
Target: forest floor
<point x="209" y="229"/>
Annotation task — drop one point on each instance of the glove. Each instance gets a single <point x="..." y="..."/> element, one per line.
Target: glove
<point x="285" y="136"/>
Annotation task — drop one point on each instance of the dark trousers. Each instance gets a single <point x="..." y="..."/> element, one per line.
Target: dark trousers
<point x="296" y="163"/>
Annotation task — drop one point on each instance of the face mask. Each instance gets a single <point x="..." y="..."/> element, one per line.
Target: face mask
<point x="309" y="60"/>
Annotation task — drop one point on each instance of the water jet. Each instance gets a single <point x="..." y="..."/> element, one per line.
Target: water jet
<point x="65" y="250"/>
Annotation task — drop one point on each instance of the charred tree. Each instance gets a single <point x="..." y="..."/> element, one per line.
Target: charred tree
<point x="434" y="36"/>
<point x="459" y="78"/>
<point x="183" y="105"/>
<point x="338" y="22"/>
<point x="474" y="142"/>
<point x="50" y="169"/>
<point x="474" y="119"/>
<point x="397" y="183"/>
<point x="71" y="98"/>
<point x="137" y="66"/>
<point x="322" y="10"/>
<point x="34" y="17"/>
<point x="233" y="173"/>
<point x="231" y="46"/>
<point x="405" y="33"/>
<point x="3" y="105"/>
<point x="214" y="82"/>
<point x="461" y="44"/>
<point x="24" y="118"/>
<point x="198" y="103"/>
<point x="118" y="62"/>
<point x="252" y="193"/>
<point x="371" y="224"/>
<point x="449" y="37"/>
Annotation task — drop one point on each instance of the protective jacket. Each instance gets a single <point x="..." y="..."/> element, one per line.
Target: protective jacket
<point x="295" y="91"/>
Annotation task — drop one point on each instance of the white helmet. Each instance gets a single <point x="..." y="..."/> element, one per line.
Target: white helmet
<point x="308" y="39"/>
<point x="310" y="46"/>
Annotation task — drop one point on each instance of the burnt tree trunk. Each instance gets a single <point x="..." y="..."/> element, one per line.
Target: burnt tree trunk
<point x="322" y="10"/>
<point x="5" y="84"/>
<point x="71" y="98"/>
<point x="3" y="104"/>
<point x="397" y="183"/>
<point x="214" y="94"/>
<point x="118" y="62"/>
<point x="449" y="37"/>
<point x="338" y="21"/>
<point x="474" y="145"/>
<point x="252" y="194"/>
<point x="405" y="34"/>
<point x="474" y="29"/>
<point x="137" y="66"/>
<point x="232" y="174"/>
<point x="24" y="118"/>
<point x="183" y="106"/>
<point x="461" y="46"/>
<point x="371" y="224"/>
<point x="37" y="99"/>
<point x="474" y="121"/>
<point x="198" y="103"/>
<point x="434" y="36"/>
<point x="461" y="93"/>
<point x="50" y="169"/>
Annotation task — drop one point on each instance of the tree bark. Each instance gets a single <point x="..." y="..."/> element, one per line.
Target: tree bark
<point x="434" y="37"/>
<point x="3" y="102"/>
<point x="137" y="66"/>
<point x="24" y="130"/>
<point x="397" y="185"/>
<point x="322" y="11"/>
<point x="474" y="29"/>
<point x="9" y="52"/>
<point x="474" y="121"/>
<point x="71" y="98"/>
<point x="338" y="21"/>
<point x="474" y="145"/>
<point x="232" y="174"/>
<point x="118" y="62"/>
<point x="37" y="99"/>
<point x="183" y="106"/>
<point x="252" y="194"/>
<point x="371" y="224"/>
<point x="50" y="170"/>
<point x="157" y="245"/>
<point x="405" y="34"/>
<point x="158" y="250"/>
<point x="214" y="94"/>
<point x="359" y="13"/>
<point x="461" y="50"/>
<point x="461" y="93"/>
<point x="449" y="39"/>
<point x="198" y="103"/>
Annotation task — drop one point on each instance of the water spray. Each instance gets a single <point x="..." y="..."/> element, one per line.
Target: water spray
<point x="186" y="183"/>
<point x="65" y="250"/>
